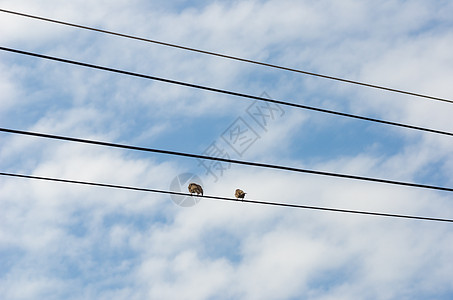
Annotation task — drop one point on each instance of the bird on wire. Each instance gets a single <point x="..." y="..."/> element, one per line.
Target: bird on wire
<point x="239" y="194"/>
<point x="195" y="188"/>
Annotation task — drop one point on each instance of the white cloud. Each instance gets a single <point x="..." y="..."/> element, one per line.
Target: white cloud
<point x="61" y="241"/>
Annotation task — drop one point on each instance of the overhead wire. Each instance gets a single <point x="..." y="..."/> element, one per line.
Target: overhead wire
<point x="235" y="94"/>
<point x="226" y="56"/>
<point x="240" y="162"/>
<point x="221" y="91"/>
<point x="124" y="187"/>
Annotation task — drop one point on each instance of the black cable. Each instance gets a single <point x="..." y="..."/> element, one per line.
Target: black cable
<point x="240" y="162"/>
<point x="227" y="92"/>
<point x="225" y="198"/>
<point x="229" y="57"/>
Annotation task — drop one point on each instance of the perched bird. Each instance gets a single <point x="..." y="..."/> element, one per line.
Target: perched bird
<point x="195" y="188"/>
<point x="239" y="194"/>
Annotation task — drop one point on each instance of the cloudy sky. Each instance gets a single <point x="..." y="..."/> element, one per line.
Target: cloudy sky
<point x="60" y="241"/>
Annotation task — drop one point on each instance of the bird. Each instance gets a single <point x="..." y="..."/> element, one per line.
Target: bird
<point x="239" y="194"/>
<point x="195" y="188"/>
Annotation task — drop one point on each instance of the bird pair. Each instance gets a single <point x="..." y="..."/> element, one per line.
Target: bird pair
<point x="197" y="189"/>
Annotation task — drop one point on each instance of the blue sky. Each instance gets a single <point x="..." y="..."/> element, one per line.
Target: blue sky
<point x="59" y="241"/>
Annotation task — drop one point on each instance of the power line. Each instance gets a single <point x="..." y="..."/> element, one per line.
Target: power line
<point x="240" y="162"/>
<point x="216" y="90"/>
<point x="105" y="185"/>
<point x="229" y="56"/>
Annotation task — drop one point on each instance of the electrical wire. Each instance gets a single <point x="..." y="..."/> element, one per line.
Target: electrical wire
<point x="105" y="185"/>
<point x="211" y="89"/>
<point x="240" y="162"/>
<point x="228" y="56"/>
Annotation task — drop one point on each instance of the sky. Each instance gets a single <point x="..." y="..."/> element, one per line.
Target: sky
<point x="63" y="241"/>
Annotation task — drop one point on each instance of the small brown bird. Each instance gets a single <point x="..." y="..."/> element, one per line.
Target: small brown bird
<point x="195" y="188"/>
<point x="239" y="194"/>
